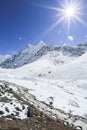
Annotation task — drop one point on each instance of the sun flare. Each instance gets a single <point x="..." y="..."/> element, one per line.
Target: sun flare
<point x="70" y="12"/>
<point x="67" y="12"/>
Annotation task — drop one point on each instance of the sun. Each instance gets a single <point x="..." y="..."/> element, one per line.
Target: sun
<point x="70" y="12"/>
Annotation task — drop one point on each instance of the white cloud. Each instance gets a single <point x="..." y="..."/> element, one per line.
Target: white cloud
<point x="70" y="38"/>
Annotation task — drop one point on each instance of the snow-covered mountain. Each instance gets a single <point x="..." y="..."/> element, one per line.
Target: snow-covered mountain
<point x="30" y="54"/>
<point x="56" y="76"/>
<point x="34" y="52"/>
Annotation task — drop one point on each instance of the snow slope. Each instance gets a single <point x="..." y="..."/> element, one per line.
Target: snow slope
<point x="63" y="82"/>
<point x="76" y="70"/>
<point x="10" y="103"/>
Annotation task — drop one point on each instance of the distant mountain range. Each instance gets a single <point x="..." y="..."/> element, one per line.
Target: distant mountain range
<point x="34" y="52"/>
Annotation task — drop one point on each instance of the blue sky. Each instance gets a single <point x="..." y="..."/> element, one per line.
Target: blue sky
<point x="29" y="21"/>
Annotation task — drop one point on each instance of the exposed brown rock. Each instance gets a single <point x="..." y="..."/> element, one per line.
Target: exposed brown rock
<point x="33" y="123"/>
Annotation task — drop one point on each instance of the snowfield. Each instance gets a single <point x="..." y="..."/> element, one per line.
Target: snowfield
<point x="57" y="80"/>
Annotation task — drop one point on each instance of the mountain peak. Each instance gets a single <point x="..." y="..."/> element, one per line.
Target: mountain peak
<point x="41" y="43"/>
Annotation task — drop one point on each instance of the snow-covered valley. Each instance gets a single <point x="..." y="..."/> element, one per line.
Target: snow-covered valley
<point x="56" y="79"/>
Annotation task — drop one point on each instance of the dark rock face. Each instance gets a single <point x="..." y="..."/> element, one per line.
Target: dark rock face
<point x="30" y="112"/>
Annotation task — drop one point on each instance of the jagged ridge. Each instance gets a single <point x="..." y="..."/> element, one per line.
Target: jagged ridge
<point x="34" y="52"/>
